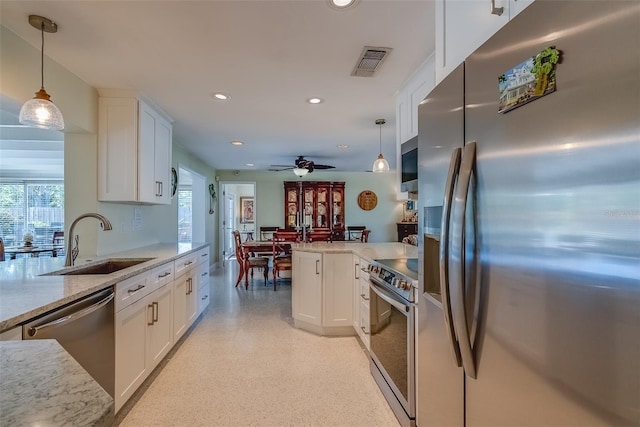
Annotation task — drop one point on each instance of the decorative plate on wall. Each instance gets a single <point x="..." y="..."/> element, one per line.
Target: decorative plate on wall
<point x="174" y="182"/>
<point x="367" y="200"/>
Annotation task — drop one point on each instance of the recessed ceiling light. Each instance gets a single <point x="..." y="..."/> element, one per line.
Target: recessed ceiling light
<point x="342" y="146"/>
<point x="315" y="100"/>
<point x="341" y="4"/>
<point x="250" y="164"/>
<point x="221" y="96"/>
<point x="237" y="142"/>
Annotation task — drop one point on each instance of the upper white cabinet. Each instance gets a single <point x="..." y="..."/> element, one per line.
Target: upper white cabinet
<point x="409" y="98"/>
<point x="464" y="25"/>
<point x="134" y="152"/>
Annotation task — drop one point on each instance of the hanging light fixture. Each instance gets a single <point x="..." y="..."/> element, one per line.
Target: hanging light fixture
<point x="300" y="171"/>
<point x="380" y="165"/>
<point x="40" y="112"/>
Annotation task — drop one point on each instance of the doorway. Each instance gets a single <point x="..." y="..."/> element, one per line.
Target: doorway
<point x="191" y="206"/>
<point x="239" y="208"/>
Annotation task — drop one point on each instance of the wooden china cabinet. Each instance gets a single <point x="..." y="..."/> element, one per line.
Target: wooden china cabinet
<point x="316" y="204"/>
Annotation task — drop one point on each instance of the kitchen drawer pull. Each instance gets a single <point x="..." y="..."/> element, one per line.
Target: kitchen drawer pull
<point x="188" y="263"/>
<point x="205" y="297"/>
<point x="203" y="255"/>
<point x="163" y="275"/>
<point x="131" y="291"/>
<point x="204" y="274"/>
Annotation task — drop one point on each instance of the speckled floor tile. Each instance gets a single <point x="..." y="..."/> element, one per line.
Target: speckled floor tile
<point x="244" y="364"/>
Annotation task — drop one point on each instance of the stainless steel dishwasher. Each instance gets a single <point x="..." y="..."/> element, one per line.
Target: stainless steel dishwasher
<point x="85" y="328"/>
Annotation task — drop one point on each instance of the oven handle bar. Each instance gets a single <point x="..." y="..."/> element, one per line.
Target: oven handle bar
<point x="383" y="295"/>
<point x="452" y="176"/>
<point x="33" y="331"/>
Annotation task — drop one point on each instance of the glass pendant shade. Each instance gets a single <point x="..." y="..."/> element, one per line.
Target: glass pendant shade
<point x="40" y="112"/>
<point x="300" y="171"/>
<point x="380" y="165"/>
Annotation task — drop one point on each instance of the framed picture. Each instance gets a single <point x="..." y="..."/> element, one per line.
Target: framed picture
<point x="246" y="210"/>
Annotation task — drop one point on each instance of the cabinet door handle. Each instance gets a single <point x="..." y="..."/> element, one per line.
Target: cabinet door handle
<point x="156" y="311"/>
<point x="357" y="268"/>
<point x="205" y="297"/>
<point x="363" y="330"/>
<point x="496" y="10"/>
<point x="204" y="274"/>
<point x="317" y="264"/>
<point x="150" y="306"/>
<point x="131" y="291"/>
<point x="364" y="297"/>
<point x="158" y="189"/>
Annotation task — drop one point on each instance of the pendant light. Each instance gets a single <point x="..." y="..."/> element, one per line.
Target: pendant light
<point x="300" y="172"/>
<point x="380" y="165"/>
<point x="40" y="112"/>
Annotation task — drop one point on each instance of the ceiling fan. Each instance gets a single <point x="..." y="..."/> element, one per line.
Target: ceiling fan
<point x="301" y="166"/>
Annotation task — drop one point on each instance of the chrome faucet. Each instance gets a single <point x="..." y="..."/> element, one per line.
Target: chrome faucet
<point x="72" y="252"/>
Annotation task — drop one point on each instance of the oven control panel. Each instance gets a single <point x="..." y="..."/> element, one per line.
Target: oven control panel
<point x="389" y="277"/>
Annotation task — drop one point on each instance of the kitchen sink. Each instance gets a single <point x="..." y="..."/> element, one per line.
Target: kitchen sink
<point x="106" y="266"/>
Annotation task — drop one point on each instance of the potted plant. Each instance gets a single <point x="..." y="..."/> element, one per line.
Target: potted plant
<point x="28" y="239"/>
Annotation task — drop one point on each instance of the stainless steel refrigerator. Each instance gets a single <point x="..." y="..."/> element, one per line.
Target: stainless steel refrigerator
<point x="529" y="313"/>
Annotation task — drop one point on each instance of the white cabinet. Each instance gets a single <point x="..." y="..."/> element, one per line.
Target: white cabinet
<point x="143" y="328"/>
<point x="409" y="98"/>
<point x="322" y="292"/>
<point x="185" y="294"/>
<point x="337" y="294"/>
<point x="306" y="284"/>
<point x="361" y="300"/>
<point x="464" y="25"/>
<point x="203" y="281"/>
<point x="134" y="152"/>
<point x="14" y="334"/>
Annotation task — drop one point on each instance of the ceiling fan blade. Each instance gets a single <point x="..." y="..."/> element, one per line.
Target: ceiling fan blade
<point x="317" y="166"/>
<point x="279" y="169"/>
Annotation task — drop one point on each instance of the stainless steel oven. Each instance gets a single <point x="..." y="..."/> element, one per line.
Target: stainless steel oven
<point x="392" y="334"/>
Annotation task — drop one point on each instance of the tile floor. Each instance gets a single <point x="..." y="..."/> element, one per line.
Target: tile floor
<point x="244" y="364"/>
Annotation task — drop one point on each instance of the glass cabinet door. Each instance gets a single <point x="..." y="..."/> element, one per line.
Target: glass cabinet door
<point x="337" y="219"/>
<point x="292" y="207"/>
<point x="322" y="208"/>
<point x="308" y="206"/>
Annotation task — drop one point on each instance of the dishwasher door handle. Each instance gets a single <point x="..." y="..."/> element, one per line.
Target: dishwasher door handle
<point x="33" y="331"/>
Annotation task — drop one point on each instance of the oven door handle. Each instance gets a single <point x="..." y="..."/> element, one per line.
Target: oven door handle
<point x="383" y="295"/>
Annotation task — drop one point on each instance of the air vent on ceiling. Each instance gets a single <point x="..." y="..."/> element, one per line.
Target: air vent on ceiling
<point x="370" y="61"/>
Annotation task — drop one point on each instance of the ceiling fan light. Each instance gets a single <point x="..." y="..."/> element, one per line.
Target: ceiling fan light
<point x="300" y="171"/>
<point x="40" y="112"/>
<point x="380" y="165"/>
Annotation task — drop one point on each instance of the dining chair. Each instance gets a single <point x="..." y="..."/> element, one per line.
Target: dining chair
<point x="247" y="262"/>
<point x="1" y="249"/>
<point x="266" y="233"/>
<point x="281" y="256"/>
<point x="364" y="237"/>
<point x="58" y="238"/>
<point x="319" y="236"/>
<point x="355" y="232"/>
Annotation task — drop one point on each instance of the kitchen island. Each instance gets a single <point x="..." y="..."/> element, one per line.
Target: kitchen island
<point x="325" y="278"/>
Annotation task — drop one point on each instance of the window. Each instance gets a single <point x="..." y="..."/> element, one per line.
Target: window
<point x="31" y="207"/>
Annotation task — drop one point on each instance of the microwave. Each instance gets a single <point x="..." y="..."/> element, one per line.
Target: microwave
<point x="409" y="166"/>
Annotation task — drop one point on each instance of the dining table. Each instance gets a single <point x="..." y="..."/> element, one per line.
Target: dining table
<point x="253" y="248"/>
<point x="34" y="251"/>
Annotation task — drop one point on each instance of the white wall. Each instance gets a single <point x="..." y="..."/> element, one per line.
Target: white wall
<point x="381" y="220"/>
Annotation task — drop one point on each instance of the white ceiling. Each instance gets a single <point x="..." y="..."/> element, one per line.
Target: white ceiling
<point x="270" y="56"/>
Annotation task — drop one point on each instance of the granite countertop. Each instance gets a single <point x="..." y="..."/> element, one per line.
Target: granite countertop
<point x="369" y="251"/>
<point x="25" y="293"/>
<point x="41" y="384"/>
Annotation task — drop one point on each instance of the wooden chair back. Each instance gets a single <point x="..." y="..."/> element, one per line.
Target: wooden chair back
<point x="58" y="238"/>
<point x="319" y="236"/>
<point x="266" y="233"/>
<point x="1" y="249"/>
<point x="364" y="238"/>
<point x="355" y="232"/>
<point x="238" y="243"/>
<point x="287" y="235"/>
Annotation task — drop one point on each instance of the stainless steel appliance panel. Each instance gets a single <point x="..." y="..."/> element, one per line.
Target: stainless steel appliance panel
<point x="85" y="329"/>
<point x="440" y="385"/>
<point x="558" y="181"/>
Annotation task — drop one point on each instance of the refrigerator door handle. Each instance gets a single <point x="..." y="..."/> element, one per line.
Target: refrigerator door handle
<point x="452" y="175"/>
<point x="457" y="259"/>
